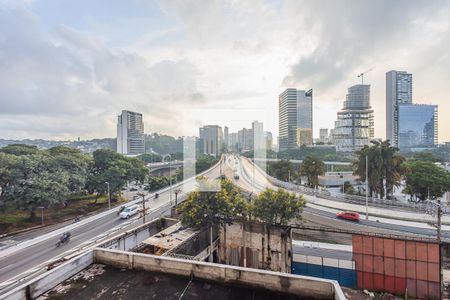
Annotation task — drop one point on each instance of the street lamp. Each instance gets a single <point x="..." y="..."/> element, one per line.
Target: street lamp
<point x="367" y="187"/>
<point x="143" y="206"/>
<point x="170" y="175"/>
<point x="109" y="195"/>
<point x="42" y="215"/>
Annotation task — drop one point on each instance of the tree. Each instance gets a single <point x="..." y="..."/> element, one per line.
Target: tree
<point x="385" y="167"/>
<point x="114" y="168"/>
<point x="312" y="167"/>
<point x="150" y="157"/>
<point x="208" y="208"/>
<point x="20" y="149"/>
<point x="425" y="179"/>
<point x="278" y="207"/>
<point x="281" y="170"/>
<point x="425" y="155"/>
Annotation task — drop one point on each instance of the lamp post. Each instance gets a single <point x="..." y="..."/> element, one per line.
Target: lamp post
<point x="42" y="215"/>
<point x="367" y="186"/>
<point x="109" y="195"/>
<point x="143" y="206"/>
<point x="170" y="175"/>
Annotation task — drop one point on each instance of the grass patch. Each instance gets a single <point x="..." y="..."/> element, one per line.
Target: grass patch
<point x="76" y="206"/>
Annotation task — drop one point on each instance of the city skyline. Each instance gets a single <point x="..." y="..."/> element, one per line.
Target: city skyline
<point x="155" y="54"/>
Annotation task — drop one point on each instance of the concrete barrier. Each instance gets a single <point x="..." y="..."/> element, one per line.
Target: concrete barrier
<point x="302" y="286"/>
<point x="50" y="279"/>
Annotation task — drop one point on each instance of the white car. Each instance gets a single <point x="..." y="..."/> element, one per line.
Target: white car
<point x="129" y="211"/>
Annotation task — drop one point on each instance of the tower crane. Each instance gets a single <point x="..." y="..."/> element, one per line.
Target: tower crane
<point x="363" y="73"/>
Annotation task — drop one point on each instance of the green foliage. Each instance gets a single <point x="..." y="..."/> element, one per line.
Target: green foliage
<point x="424" y="156"/>
<point x="204" y="162"/>
<point x="425" y="178"/>
<point x="116" y="169"/>
<point x="312" y="167"/>
<point x="385" y="167"/>
<point x="163" y="144"/>
<point x="206" y="207"/>
<point x="277" y="207"/>
<point x="150" y="158"/>
<point x="20" y="149"/>
<point x="325" y="154"/>
<point x="348" y="188"/>
<point x="155" y="183"/>
<point x="30" y="177"/>
<point x="281" y="170"/>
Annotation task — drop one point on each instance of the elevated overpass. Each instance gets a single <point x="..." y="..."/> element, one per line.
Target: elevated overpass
<point x="26" y="259"/>
<point x="322" y="210"/>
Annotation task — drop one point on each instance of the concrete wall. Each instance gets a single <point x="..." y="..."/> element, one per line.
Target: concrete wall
<point x="255" y="245"/>
<point x="50" y="279"/>
<point x="133" y="238"/>
<point x="299" y="285"/>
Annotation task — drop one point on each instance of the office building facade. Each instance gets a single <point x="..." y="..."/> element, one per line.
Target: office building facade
<point x="398" y="91"/>
<point x="354" y="127"/>
<point x="417" y="126"/>
<point x="130" y="133"/>
<point x="211" y="140"/>
<point x="323" y="135"/>
<point x="259" y="138"/>
<point x="294" y="112"/>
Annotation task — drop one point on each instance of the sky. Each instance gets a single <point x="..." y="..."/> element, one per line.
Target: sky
<point x="67" y="68"/>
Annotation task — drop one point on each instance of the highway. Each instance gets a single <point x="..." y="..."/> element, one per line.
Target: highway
<point x="33" y="251"/>
<point x="30" y="253"/>
<point x="254" y="180"/>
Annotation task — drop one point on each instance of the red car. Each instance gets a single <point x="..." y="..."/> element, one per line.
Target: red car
<point x="348" y="215"/>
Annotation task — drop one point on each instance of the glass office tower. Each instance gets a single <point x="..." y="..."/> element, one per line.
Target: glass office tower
<point x="418" y="126"/>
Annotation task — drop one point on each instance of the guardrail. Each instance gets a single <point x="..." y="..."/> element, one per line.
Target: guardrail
<point x="90" y="244"/>
<point x="352" y="199"/>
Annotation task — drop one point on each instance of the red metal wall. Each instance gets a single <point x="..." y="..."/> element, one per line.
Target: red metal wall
<point x="394" y="266"/>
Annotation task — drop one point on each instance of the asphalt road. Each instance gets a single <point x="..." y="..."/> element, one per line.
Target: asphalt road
<point x="33" y="249"/>
<point x="36" y="248"/>
<point x="252" y="176"/>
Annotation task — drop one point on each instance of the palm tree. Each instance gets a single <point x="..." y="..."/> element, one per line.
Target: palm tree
<point x="385" y="167"/>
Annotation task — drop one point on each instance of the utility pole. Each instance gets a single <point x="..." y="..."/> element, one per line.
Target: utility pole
<point x="42" y="215"/>
<point x="367" y="186"/>
<point x="143" y="206"/>
<point x="109" y="195"/>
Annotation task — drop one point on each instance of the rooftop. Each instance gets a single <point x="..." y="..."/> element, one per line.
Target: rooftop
<point x="105" y="282"/>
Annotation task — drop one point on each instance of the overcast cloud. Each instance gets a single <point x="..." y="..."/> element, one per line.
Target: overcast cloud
<point x="67" y="71"/>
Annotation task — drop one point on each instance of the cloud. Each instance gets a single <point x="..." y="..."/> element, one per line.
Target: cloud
<point x="352" y="36"/>
<point x="67" y="76"/>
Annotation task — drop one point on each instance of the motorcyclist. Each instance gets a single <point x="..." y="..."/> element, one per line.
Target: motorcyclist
<point x="65" y="237"/>
<point x="156" y="195"/>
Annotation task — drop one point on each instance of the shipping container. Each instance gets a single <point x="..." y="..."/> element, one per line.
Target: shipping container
<point x="397" y="266"/>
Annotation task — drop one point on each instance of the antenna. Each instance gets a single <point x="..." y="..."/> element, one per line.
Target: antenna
<point x="363" y="73"/>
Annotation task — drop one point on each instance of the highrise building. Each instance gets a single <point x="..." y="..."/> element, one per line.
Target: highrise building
<point x="398" y="91"/>
<point x="269" y="140"/>
<point x="304" y="136"/>
<point x="130" y="133"/>
<point x="211" y="137"/>
<point x="294" y="112"/>
<point x="226" y="137"/>
<point x="354" y="127"/>
<point x="417" y="126"/>
<point x="323" y="135"/>
<point x="233" y="140"/>
<point x="259" y="141"/>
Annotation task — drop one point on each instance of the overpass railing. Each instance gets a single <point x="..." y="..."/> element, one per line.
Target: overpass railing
<point x="351" y="199"/>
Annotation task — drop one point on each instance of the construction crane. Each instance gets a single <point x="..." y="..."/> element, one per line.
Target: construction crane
<point x="362" y="74"/>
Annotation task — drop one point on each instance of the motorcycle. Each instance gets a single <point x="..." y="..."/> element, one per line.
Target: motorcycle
<point x="120" y="209"/>
<point x="65" y="238"/>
